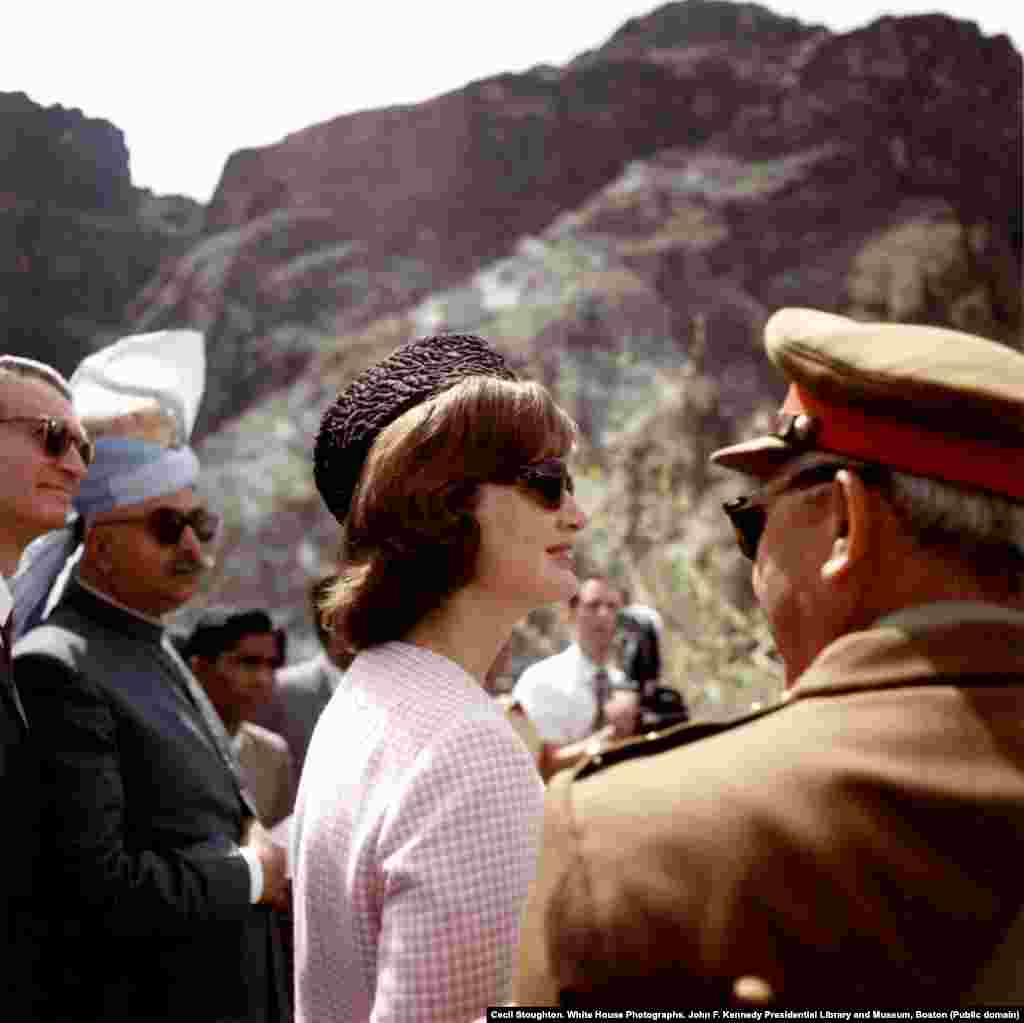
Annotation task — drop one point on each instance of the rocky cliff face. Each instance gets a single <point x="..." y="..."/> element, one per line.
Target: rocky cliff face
<point x="77" y="241"/>
<point x="622" y="227"/>
<point x="799" y="145"/>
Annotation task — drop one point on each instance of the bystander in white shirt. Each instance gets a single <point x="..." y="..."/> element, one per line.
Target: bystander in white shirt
<point x="557" y="694"/>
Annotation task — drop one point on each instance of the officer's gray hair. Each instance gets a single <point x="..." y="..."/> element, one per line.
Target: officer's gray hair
<point x="32" y="369"/>
<point x="987" y="529"/>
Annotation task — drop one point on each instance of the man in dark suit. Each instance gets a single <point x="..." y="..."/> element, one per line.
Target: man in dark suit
<point x="301" y="691"/>
<point x="43" y="456"/>
<point x="859" y="843"/>
<point x="160" y="883"/>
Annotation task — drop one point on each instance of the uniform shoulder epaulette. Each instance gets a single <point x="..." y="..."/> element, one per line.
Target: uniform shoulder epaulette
<point x="651" y="743"/>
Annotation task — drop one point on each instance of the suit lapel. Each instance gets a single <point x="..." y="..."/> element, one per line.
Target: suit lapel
<point x="7" y="687"/>
<point x="200" y="708"/>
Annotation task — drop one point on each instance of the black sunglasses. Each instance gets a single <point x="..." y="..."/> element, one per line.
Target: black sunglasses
<point x="254" y="661"/>
<point x="549" y="480"/>
<point x="749" y="514"/>
<point x="57" y="436"/>
<point x="166" y="525"/>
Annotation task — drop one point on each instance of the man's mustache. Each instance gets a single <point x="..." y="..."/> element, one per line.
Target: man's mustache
<point x="192" y="566"/>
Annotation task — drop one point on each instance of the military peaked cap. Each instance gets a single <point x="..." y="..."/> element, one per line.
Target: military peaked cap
<point x="927" y="401"/>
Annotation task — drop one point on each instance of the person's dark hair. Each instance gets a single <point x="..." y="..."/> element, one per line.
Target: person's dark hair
<point x="411" y="538"/>
<point x="219" y="629"/>
<point x="615" y="584"/>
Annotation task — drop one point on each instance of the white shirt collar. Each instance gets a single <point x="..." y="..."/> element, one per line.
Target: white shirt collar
<point x="6" y="601"/>
<point x="588" y="668"/>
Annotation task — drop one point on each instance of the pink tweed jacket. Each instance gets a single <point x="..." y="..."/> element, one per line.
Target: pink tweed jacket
<point x="416" y="833"/>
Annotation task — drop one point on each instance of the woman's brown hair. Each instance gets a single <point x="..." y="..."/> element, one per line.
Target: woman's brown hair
<point x="411" y="538"/>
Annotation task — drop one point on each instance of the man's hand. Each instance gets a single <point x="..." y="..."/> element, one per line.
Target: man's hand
<point x="274" y="860"/>
<point x="622" y="711"/>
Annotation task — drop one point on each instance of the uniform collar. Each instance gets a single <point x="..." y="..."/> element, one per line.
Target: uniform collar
<point x="962" y="644"/>
<point x="948" y="612"/>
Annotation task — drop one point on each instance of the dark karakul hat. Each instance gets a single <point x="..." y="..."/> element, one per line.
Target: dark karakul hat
<point x="380" y="394"/>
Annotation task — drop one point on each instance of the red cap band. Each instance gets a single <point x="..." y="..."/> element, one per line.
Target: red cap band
<point x="900" y="445"/>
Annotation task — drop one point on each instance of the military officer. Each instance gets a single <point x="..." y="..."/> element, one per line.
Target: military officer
<point x="859" y="843"/>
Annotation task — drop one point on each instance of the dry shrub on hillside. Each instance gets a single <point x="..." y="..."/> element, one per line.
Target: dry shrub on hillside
<point x="656" y="521"/>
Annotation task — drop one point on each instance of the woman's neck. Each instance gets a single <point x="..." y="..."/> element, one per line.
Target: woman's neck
<point x="467" y="630"/>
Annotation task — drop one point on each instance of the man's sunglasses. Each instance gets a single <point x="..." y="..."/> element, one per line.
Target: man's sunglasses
<point x="548" y="480"/>
<point x="254" y="661"/>
<point x="57" y="436"/>
<point x="166" y="525"/>
<point x="749" y="514"/>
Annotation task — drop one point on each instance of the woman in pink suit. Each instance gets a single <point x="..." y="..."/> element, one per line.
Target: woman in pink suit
<point x="417" y="820"/>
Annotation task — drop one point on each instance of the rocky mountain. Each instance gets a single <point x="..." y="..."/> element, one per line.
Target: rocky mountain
<point x="77" y="241"/>
<point x="621" y="226"/>
<point x="363" y="216"/>
<point x="639" y="214"/>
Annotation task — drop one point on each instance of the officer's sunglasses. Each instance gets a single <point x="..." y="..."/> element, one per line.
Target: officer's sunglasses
<point x="548" y="480"/>
<point x="749" y="513"/>
<point x="166" y="525"/>
<point x="57" y="435"/>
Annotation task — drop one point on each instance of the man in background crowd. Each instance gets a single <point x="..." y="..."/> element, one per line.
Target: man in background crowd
<point x="158" y="880"/>
<point x="234" y="655"/>
<point x="859" y="843"/>
<point x="303" y="690"/>
<point x="44" y="453"/>
<point x="579" y="698"/>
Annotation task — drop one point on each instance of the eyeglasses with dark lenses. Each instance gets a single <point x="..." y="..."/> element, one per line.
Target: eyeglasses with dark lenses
<point x="57" y="436"/>
<point x="166" y="525"/>
<point x="749" y="514"/>
<point x="254" y="661"/>
<point x="549" y="480"/>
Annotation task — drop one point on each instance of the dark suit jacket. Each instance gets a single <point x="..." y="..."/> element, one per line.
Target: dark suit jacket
<point x="149" y="900"/>
<point x="300" y="694"/>
<point x="19" y="805"/>
<point x="858" y="846"/>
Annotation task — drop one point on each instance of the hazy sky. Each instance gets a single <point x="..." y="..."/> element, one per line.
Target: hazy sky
<point x="190" y="82"/>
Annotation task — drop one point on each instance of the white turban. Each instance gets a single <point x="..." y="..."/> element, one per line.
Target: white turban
<point x="140" y="397"/>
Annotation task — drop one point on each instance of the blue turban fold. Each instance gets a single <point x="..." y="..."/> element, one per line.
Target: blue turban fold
<point x="126" y="472"/>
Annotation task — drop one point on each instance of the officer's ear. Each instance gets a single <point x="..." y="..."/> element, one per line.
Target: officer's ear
<point x="852" y="523"/>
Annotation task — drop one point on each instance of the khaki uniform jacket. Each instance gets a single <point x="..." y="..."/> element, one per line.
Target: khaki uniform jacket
<point x="860" y="844"/>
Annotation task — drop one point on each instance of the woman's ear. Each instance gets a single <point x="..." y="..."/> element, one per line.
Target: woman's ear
<point x="852" y="523"/>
